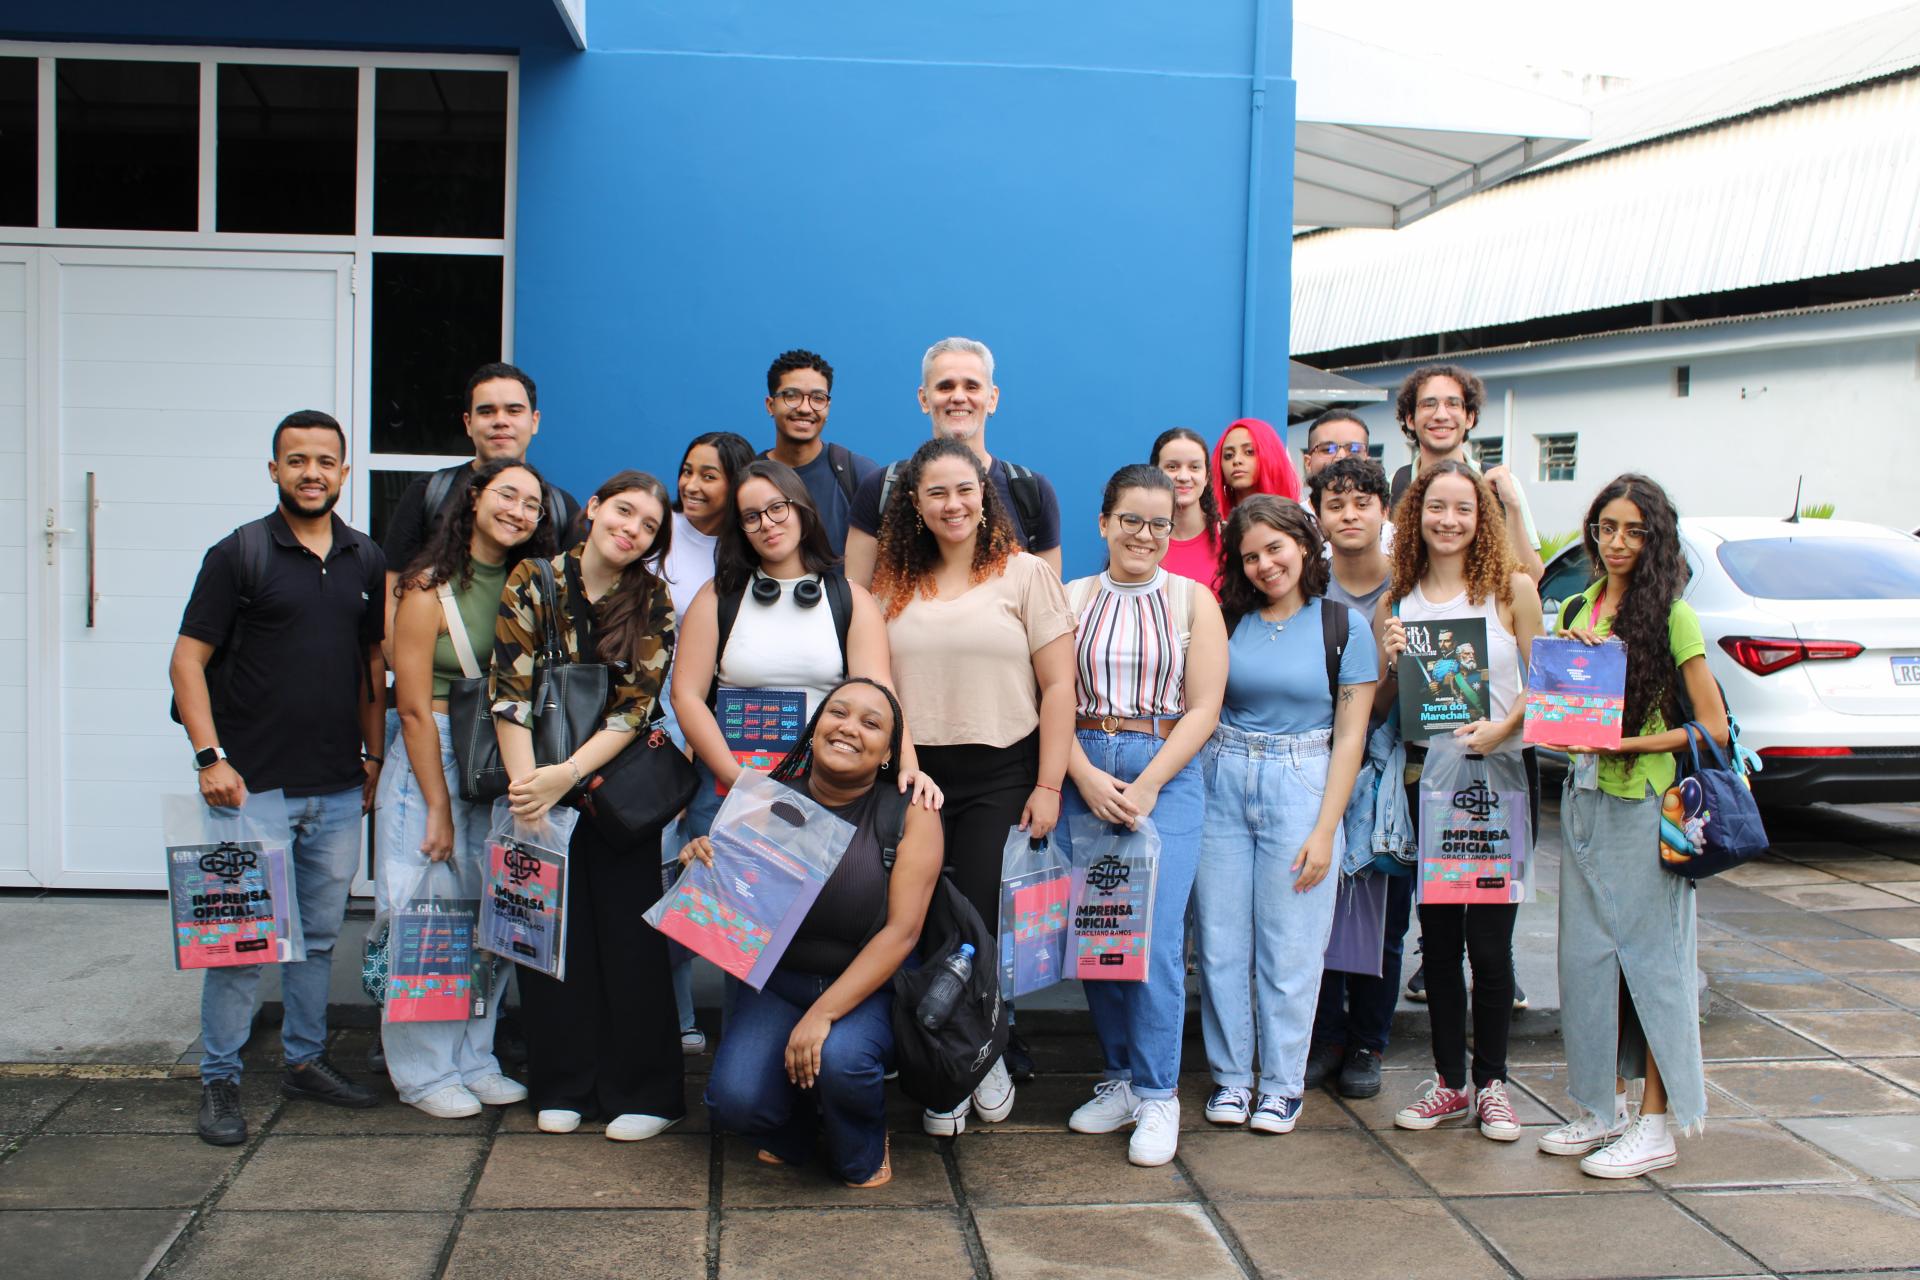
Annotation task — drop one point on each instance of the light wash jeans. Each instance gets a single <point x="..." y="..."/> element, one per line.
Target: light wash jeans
<point x="1140" y="1023"/>
<point x="326" y="849"/>
<point x="1263" y="798"/>
<point x="424" y="1057"/>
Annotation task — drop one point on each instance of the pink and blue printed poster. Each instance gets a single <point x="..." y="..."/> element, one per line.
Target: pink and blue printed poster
<point x="742" y="912"/>
<point x="231" y="904"/>
<point x="1576" y="693"/>
<point x="431" y="970"/>
<point x="523" y="905"/>
<point x="1033" y="930"/>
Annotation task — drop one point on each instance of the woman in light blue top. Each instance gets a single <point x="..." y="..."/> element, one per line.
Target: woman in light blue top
<point x="1279" y="771"/>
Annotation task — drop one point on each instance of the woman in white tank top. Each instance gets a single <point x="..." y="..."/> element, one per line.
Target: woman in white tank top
<point x="1451" y="560"/>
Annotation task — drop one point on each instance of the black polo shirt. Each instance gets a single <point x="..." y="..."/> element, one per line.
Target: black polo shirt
<point x="286" y="701"/>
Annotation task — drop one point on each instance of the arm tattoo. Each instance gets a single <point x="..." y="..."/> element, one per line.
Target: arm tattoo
<point x="1346" y="694"/>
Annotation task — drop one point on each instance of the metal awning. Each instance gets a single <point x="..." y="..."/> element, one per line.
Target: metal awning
<point x="1383" y="138"/>
<point x="1311" y="392"/>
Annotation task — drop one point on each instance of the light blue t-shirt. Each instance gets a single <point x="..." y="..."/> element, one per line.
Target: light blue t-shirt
<point x="1277" y="681"/>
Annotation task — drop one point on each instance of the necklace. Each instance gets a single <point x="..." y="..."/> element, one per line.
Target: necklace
<point x="1277" y="627"/>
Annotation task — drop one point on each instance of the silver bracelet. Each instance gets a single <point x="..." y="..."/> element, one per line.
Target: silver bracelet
<point x="577" y="779"/>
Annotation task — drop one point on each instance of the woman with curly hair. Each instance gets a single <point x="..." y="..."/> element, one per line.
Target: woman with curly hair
<point x="1451" y="560"/>
<point x="982" y="645"/>
<point x="1194" y="549"/>
<point x="1251" y="458"/>
<point x="1627" y="936"/>
<point x="447" y="1069"/>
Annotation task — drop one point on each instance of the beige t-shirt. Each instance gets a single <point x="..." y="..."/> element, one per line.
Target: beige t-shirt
<point x="964" y="668"/>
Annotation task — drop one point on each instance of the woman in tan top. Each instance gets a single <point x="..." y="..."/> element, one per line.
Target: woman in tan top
<point x="982" y="647"/>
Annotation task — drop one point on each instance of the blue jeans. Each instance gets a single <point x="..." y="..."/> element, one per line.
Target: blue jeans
<point x="425" y="1057"/>
<point x="1357" y="1010"/>
<point x="1140" y="1023"/>
<point x="326" y="849"/>
<point x="1263" y="799"/>
<point x="846" y="1116"/>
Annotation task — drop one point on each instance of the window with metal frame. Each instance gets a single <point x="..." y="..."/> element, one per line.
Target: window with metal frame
<point x="1558" y="455"/>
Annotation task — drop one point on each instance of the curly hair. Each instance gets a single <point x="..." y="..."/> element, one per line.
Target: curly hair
<point x="1640" y="617"/>
<point x="622" y="613"/>
<point x="1238" y="595"/>
<point x="908" y="552"/>
<point x="798" y="358"/>
<point x="1472" y="393"/>
<point x="1490" y="567"/>
<point x="448" y="554"/>
<point x="798" y="762"/>
<point x="1209" y="505"/>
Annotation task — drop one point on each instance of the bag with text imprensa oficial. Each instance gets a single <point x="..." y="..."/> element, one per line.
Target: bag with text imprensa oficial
<point x="773" y="850"/>
<point x="1475" y="842"/>
<point x="230" y="882"/>
<point x="1110" y="899"/>
<point x="523" y="892"/>
<point x="1034" y="885"/>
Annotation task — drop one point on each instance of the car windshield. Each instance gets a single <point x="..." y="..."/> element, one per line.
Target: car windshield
<point x="1825" y="568"/>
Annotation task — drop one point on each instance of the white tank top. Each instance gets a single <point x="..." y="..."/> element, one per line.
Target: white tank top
<point x="1504" y="676"/>
<point x="783" y="646"/>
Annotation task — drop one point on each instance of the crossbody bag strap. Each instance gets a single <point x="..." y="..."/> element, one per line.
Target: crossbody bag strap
<point x="457" y="631"/>
<point x="552" y="652"/>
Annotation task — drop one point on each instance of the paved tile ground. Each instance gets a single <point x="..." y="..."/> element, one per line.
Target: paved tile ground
<point x="1810" y="1165"/>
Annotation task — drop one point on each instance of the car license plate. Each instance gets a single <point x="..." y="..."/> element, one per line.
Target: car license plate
<point x="1906" y="672"/>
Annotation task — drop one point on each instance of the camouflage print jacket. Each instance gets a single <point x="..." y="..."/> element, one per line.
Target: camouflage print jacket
<point x="634" y="692"/>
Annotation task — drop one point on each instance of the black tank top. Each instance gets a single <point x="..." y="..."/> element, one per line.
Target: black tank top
<point x="855" y="895"/>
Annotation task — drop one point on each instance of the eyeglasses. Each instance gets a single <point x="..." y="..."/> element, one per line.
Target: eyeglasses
<point x="1133" y="524"/>
<point x="1607" y="530"/>
<point x="1428" y="405"/>
<point x="774" y="512"/>
<point x="791" y="396"/>
<point x="511" y="497"/>
<point x="1333" y="448"/>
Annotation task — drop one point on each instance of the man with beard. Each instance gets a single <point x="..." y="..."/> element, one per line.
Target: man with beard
<point x="278" y="679"/>
<point x="799" y="394"/>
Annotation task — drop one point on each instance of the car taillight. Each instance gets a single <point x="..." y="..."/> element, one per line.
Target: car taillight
<point x="1806" y="751"/>
<point x="1764" y="655"/>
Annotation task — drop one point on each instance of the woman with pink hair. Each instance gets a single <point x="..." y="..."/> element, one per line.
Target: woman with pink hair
<point x="1251" y="458"/>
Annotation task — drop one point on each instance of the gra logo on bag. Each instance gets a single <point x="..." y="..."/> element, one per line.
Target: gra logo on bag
<point x="1477" y="800"/>
<point x="229" y="861"/>
<point x="1108" y="874"/>
<point x="522" y="864"/>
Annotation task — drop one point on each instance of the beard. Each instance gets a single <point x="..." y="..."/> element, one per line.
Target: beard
<point x="290" y="503"/>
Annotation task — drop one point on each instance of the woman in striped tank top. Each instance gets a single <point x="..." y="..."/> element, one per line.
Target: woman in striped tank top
<point x="1150" y="653"/>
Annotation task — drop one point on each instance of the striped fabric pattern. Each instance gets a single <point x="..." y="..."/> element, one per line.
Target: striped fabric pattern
<point x="1129" y="653"/>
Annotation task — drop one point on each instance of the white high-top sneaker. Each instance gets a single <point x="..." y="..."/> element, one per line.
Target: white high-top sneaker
<point x="1644" y="1147"/>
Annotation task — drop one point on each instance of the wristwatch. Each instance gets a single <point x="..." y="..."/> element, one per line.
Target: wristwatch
<point x="208" y="758"/>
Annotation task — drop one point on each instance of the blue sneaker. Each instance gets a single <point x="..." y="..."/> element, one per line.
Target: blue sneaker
<point x="1275" y="1114"/>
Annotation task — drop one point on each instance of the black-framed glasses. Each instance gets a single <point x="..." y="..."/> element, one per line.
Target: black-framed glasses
<point x="1333" y="448"/>
<point x="1431" y="403"/>
<point x="1607" y="530"/>
<point x="773" y="512"/>
<point x="512" y="497"/>
<point x="791" y="396"/>
<point x="1161" y="526"/>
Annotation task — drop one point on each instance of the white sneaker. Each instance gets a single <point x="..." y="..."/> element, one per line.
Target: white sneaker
<point x="633" y="1127"/>
<point x="1156" y="1132"/>
<point x="946" y="1124"/>
<point x="498" y="1091"/>
<point x="1113" y="1107"/>
<point x="450" y="1102"/>
<point x="694" y="1041"/>
<point x="1229" y="1105"/>
<point x="993" y="1097"/>
<point x="1635" y="1152"/>
<point x="558" y="1121"/>
<point x="1577" y="1137"/>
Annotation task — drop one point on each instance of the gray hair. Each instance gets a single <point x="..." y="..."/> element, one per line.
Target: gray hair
<point x="963" y="346"/>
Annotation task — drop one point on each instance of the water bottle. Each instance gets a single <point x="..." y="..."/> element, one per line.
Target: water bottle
<point x="946" y="989"/>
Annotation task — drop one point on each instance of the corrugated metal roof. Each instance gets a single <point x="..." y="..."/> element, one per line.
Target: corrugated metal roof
<point x="1827" y="186"/>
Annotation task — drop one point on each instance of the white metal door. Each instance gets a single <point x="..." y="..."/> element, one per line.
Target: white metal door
<point x="162" y="374"/>
<point x="16" y="555"/>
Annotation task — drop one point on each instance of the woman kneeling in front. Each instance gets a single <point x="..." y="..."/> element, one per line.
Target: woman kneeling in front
<point x="804" y="1061"/>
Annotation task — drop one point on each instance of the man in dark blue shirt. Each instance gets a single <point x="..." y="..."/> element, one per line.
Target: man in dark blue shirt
<point x="799" y="394"/>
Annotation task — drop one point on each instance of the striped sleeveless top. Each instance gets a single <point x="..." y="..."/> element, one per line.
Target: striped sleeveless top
<point x="1130" y="645"/>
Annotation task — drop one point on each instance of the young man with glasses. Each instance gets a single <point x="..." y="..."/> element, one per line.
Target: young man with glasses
<point x="1332" y="437"/>
<point x="799" y="395"/>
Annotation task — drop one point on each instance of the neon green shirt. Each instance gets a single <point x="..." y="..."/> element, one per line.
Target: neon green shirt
<point x="1629" y="776"/>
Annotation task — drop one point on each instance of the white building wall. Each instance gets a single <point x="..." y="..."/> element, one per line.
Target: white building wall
<point x="1833" y="396"/>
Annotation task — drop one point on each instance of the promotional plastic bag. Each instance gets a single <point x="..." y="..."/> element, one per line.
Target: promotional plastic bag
<point x="435" y="972"/>
<point x="230" y="882"/>
<point x="1110" y="899"/>
<point x="523" y="892"/>
<point x="1359" y="925"/>
<point x="773" y="849"/>
<point x="1475" y="843"/>
<point x="1033" y="915"/>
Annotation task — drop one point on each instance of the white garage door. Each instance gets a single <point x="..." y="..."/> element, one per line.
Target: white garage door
<point x="163" y="375"/>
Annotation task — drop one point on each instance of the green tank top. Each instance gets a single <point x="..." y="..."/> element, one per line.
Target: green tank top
<point x="479" y="605"/>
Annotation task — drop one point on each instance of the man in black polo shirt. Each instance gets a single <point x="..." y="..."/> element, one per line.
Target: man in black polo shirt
<point x="290" y="607"/>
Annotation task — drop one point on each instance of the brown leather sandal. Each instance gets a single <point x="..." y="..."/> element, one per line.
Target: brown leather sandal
<point x="884" y="1174"/>
<point x="767" y="1157"/>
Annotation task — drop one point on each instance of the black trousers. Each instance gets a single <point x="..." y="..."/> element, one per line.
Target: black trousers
<point x="606" y="1041"/>
<point x="1483" y="935"/>
<point x="986" y="788"/>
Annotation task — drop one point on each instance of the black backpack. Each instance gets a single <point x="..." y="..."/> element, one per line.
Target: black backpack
<point x="440" y="490"/>
<point x="726" y="607"/>
<point x="1022" y="483"/>
<point x="940" y="1069"/>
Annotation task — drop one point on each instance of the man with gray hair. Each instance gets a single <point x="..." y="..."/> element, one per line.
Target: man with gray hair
<point x="958" y="393"/>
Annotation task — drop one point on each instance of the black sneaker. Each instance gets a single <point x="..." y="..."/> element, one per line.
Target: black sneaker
<point x="1323" y="1060"/>
<point x="221" y="1123"/>
<point x="1417" y="985"/>
<point x="1018" y="1057"/>
<point x="1519" y="997"/>
<point x="321" y="1081"/>
<point x="1360" y="1077"/>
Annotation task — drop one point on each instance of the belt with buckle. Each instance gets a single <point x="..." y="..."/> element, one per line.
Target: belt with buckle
<point x="1115" y="724"/>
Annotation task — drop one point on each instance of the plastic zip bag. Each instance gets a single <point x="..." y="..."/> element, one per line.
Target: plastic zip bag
<point x="1476" y="845"/>
<point x="1034" y="888"/>
<point x="230" y="882"/>
<point x="1110" y="903"/>
<point x="523" y="890"/>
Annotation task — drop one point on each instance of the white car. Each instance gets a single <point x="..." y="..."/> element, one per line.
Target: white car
<point x="1813" y="628"/>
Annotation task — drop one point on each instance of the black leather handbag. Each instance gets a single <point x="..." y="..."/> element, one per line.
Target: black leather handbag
<point x="476" y="747"/>
<point x="569" y="698"/>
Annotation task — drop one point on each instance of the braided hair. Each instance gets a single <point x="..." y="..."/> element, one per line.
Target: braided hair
<point x="797" y="763"/>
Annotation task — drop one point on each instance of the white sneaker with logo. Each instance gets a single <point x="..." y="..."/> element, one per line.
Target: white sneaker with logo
<point x="1577" y="1137"/>
<point x="1113" y="1107"/>
<point x="1156" y="1132"/>
<point x="947" y="1124"/>
<point x="1641" y="1149"/>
